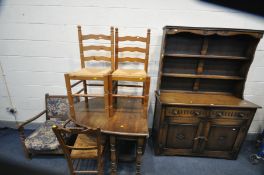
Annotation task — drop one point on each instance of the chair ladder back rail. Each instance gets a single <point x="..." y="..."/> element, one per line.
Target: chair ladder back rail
<point x="131" y="59"/>
<point x="132" y="49"/>
<point x="96" y="37"/>
<point x="147" y="51"/>
<point x="97" y="48"/>
<point x="81" y="46"/>
<point x="97" y="58"/>
<point x="132" y="38"/>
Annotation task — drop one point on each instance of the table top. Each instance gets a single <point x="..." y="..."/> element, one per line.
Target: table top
<point x="128" y="118"/>
<point x="203" y="99"/>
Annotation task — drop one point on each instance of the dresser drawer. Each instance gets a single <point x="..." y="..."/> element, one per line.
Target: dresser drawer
<point x="239" y="114"/>
<point x="185" y="112"/>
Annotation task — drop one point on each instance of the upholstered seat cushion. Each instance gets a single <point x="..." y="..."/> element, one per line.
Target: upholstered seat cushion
<point x="43" y="138"/>
<point x="90" y="72"/>
<point x="129" y="73"/>
<point x="84" y="141"/>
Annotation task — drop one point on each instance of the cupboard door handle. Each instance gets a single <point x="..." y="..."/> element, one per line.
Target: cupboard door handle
<point x="201" y="137"/>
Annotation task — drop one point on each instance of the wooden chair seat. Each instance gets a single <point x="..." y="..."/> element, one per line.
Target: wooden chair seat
<point x="90" y="73"/>
<point x="84" y="141"/>
<point x="122" y="74"/>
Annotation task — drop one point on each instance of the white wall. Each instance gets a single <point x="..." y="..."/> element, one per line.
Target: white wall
<point x="38" y="42"/>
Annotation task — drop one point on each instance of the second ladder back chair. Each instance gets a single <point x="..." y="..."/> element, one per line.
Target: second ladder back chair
<point x="134" y="75"/>
<point x="87" y="146"/>
<point x="91" y="73"/>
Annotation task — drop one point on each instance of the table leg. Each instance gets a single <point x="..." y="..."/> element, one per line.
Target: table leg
<point x="113" y="154"/>
<point x="140" y="144"/>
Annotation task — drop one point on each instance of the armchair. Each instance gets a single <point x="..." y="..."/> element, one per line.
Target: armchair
<point x="43" y="140"/>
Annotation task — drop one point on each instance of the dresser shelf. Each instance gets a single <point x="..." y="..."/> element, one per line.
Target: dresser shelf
<point x="202" y="76"/>
<point x="205" y="56"/>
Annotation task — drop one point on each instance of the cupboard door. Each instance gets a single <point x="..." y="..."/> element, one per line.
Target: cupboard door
<point x="222" y="138"/>
<point x="181" y="136"/>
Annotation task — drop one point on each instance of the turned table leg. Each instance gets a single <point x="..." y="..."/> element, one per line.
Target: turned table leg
<point x="113" y="154"/>
<point x="140" y="144"/>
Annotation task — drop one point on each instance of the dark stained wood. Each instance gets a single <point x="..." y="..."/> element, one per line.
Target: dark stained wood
<point x="128" y="121"/>
<point x="200" y="110"/>
<point x="88" y="145"/>
<point x="213" y="31"/>
<point x="207" y="56"/>
<point x="203" y="76"/>
<point x="203" y="99"/>
<point x="128" y="118"/>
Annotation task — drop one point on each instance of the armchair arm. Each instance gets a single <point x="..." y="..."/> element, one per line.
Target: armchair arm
<point x="21" y="126"/>
<point x="66" y="122"/>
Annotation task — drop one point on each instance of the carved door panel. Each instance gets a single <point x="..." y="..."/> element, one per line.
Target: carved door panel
<point x="222" y="138"/>
<point x="181" y="136"/>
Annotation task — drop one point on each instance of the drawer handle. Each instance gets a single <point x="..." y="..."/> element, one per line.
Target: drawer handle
<point x="219" y="114"/>
<point x="241" y="115"/>
<point x="197" y="113"/>
<point x="175" y="112"/>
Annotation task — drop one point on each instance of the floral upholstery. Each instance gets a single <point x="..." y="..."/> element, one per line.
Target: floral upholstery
<point x="58" y="107"/>
<point x="43" y="138"/>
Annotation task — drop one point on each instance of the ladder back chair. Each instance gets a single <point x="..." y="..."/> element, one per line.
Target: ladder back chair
<point x="79" y="153"/>
<point x="132" y="75"/>
<point x="91" y="73"/>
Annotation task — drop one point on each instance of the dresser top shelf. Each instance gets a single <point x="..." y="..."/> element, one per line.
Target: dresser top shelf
<point x="203" y="99"/>
<point x="207" y="60"/>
